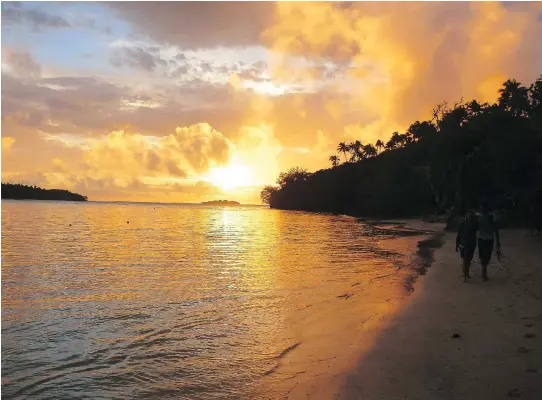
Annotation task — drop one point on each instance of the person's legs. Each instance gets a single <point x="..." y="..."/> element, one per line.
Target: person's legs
<point x="467" y="254"/>
<point x="485" y="248"/>
<point x="466" y="266"/>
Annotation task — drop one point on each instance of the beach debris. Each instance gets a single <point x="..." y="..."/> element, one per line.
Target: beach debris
<point x="356" y="284"/>
<point x="127" y="222"/>
<point x="529" y="335"/>
<point x="456" y="335"/>
<point x="532" y="370"/>
<point x="514" y="393"/>
<point x="528" y="325"/>
<point x="346" y="296"/>
<point x="523" y="350"/>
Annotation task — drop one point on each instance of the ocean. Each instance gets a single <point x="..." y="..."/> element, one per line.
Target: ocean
<point x="185" y="301"/>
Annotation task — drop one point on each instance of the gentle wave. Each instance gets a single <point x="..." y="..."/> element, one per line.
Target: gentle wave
<point x="125" y="300"/>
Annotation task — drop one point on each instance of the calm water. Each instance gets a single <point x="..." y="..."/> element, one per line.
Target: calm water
<point x="103" y="300"/>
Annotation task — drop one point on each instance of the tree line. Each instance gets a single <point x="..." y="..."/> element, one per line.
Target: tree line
<point x="465" y="153"/>
<point x="18" y="191"/>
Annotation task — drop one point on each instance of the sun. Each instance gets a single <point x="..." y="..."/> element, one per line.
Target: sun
<point x="230" y="177"/>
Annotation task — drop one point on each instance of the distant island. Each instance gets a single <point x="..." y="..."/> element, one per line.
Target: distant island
<point x="221" y="203"/>
<point x="23" y="192"/>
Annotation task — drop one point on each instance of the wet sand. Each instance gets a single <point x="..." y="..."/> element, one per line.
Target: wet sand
<point x="331" y="343"/>
<point x="480" y="340"/>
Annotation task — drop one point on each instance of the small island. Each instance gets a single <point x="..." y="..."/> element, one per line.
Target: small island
<point x="221" y="203"/>
<point x="23" y="192"/>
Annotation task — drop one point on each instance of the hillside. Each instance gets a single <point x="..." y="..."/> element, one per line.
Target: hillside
<point x="465" y="154"/>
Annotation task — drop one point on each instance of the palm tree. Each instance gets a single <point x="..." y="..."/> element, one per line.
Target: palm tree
<point x="369" y="150"/>
<point x="344" y="148"/>
<point x="358" y="146"/>
<point x="514" y="97"/>
<point x="419" y="130"/>
<point x="355" y="149"/>
<point x="394" y="142"/>
<point x="334" y="160"/>
<point x="535" y="96"/>
<point x="379" y="145"/>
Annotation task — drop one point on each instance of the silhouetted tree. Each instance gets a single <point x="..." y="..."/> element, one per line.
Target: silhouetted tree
<point x="267" y="193"/>
<point x="344" y="148"/>
<point x="535" y="99"/>
<point x="369" y="151"/>
<point x="395" y="142"/>
<point x="293" y="175"/>
<point x="514" y="98"/>
<point x="419" y="130"/>
<point x="467" y="152"/>
<point x="21" y="192"/>
<point x="379" y="145"/>
<point x="356" y="149"/>
<point x="334" y="160"/>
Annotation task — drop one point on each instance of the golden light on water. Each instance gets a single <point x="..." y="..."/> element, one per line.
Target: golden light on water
<point x="218" y="292"/>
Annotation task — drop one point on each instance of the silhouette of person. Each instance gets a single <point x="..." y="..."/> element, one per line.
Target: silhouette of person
<point x="487" y="234"/>
<point x="465" y="241"/>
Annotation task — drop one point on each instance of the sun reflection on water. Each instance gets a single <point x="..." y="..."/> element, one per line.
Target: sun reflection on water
<point x="197" y="300"/>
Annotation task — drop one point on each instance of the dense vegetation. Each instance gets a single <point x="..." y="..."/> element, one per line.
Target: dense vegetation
<point x="467" y="153"/>
<point x="20" y="192"/>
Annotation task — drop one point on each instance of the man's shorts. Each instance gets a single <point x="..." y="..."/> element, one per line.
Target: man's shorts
<point x="467" y="253"/>
<point x="485" y="248"/>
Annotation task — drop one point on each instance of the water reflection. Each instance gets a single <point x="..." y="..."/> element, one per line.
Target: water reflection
<point x="125" y="300"/>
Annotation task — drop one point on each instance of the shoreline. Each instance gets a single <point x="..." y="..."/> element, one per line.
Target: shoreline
<point x="448" y="340"/>
<point x="326" y="353"/>
<point x="481" y="340"/>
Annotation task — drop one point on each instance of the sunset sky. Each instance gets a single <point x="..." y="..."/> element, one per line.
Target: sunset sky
<point x="189" y="102"/>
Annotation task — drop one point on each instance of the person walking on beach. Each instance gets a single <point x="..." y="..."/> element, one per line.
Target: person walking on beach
<point x="465" y="241"/>
<point x="487" y="234"/>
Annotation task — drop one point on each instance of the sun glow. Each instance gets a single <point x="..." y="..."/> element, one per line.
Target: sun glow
<point x="265" y="87"/>
<point x="230" y="177"/>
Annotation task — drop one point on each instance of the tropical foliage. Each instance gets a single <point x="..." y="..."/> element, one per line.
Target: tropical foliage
<point x="466" y="153"/>
<point x="20" y="192"/>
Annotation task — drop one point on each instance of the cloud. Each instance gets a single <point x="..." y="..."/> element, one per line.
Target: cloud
<point x="194" y="25"/>
<point x="16" y="13"/>
<point x="59" y="165"/>
<point x="37" y="178"/>
<point x="404" y="58"/>
<point x="138" y="57"/>
<point x="266" y="85"/>
<point x="94" y="105"/>
<point x="7" y="143"/>
<point x="20" y="63"/>
<point x="189" y="151"/>
<point x="107" y="187"/>
<point x="125" y="165"/>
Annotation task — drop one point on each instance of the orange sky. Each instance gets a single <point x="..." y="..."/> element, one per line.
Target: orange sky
<point x="188" y="102"/>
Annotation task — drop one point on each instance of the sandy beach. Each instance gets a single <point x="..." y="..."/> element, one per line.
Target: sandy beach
<point x="448" y="340"/>
<point x="480" y="340"/>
